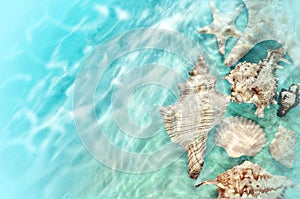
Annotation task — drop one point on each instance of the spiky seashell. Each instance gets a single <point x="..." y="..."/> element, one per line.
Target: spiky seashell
<point x="282" y="147"/>
<point x="288" y="99"/>
<point x="199" y="109"/>
<point x="256" y="83"/>
<point x="240" y="136"/>
<point x="249" y="180"/>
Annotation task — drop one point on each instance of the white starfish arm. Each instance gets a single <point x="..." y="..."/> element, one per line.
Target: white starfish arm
<point x="213" y="9"/>
<point x="242" y="47"/>
<point x="237" y="11"/>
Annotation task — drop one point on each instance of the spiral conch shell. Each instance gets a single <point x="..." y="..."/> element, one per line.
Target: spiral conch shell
<point x="199" y="109"/>
<point x="256" y="83"/>
<point x="283" y="146"/>
<point x="240" y="136"/>
<point x="250" y="181"/>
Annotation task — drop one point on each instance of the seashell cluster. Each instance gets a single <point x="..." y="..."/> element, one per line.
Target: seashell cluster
<point x="199" y="109"/>
<point x="250" y="83"/>
<point x="249" y="180"/>
<point x="240" y="136"/>
<point x="282" y="147"/>
<point x="256" y="83"/>
<point x="288" y="99"/>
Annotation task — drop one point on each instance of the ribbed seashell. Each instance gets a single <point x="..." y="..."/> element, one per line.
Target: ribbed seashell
<point x="199" y="109"/>
<point x="256" y="83"/>
<point x="249" y="180"/>
<point x="240" y="136"/>
<point x="288" y="99"/>
<point x="282" y="147"/>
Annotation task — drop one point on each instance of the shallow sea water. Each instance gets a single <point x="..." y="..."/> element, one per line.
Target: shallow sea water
<point x="74" y="129"/>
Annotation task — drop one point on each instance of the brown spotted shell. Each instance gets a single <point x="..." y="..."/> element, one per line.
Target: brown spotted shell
<point x="240" y="136"/>
<point x="199" y="109"/>
<point x="256" y="83"/>
<point x="283" y="146"/>
<point x="249" y="181"/>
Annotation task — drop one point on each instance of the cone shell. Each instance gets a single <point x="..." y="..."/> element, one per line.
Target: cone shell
<point x="199" y="109"/>
<point x="282" y="147"/>
<point x="240" y="136"/>
<point x="249" y="180"/>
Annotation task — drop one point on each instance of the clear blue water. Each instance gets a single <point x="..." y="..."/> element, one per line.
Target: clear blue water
<point x="46" y="147"/>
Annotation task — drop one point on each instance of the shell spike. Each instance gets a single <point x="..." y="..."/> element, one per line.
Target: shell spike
<point x="278" y="66"/>
<point x="214" y="182"/>
<point x="285" y="61"/>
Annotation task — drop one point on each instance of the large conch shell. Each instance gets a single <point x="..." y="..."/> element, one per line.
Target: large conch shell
<point x="240" y="136"/>
<point x="283" y="146"/>
<point x="199" y="109"/>
<point x="250" y="181"/>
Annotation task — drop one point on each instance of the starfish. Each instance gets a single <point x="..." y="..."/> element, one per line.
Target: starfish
<point x="222" y="26"/>
<point x="267" y="20"/>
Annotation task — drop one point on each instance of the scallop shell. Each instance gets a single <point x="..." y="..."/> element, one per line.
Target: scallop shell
<point x="240" y="136"/>
<point x="249" y="180"/>
<point x="256" y="83"/>
<point x="199" y="109"/>
<point x="288" y="99"/>
<point x="282" y="147"/>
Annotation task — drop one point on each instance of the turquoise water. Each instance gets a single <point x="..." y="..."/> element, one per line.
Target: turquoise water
<point x="52" y="149"/>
